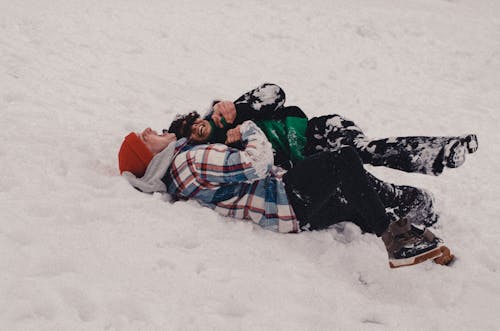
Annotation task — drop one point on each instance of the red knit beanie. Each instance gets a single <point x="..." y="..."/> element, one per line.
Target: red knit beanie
<point x="134" y="156"/>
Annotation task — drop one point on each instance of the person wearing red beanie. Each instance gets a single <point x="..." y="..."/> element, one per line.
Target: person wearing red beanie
<point x="138" y="149"/>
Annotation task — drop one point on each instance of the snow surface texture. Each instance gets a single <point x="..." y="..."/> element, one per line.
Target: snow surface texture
<point x="81" y="250"/>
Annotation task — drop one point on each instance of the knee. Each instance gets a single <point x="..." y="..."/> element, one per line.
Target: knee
<point x="346" y="154"/>
<point x="325" y="158"/>
<point x="346" y="158"/>
<point x="350" y="159"/>
<point x="324" y="120"/>
<point x="349" y="153"/>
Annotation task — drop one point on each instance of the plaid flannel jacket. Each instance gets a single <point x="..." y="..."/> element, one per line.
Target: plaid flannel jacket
<point x="236" y="183"/>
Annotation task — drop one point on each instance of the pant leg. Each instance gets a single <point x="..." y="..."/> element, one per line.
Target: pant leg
<point x="419" y="154"/>
<point x="403" y="201"/>
<point x="327" y="188"/>
<point x="330" y="133"/>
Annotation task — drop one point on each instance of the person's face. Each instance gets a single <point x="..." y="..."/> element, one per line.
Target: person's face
<point x="154" y="141"/>
<point x="200" y="131"/>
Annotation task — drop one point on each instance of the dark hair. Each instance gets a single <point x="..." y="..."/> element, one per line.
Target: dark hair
<point x="181" y="125"/>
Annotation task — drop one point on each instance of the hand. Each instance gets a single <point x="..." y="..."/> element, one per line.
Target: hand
<point x="233" y="135"/>
<point x="224" y="109"/>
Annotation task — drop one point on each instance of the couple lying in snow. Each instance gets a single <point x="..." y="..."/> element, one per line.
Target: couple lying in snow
<point x="259" y="160"/>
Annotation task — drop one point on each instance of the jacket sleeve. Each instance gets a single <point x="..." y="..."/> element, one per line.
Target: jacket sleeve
<point x="218" y="163"/>
<point x="259" y="103"/>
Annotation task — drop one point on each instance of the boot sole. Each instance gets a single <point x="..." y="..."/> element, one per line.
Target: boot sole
<point x="446" y="256"/>
<point x="456" y="155"/>
<point x="441" y="255"/>
<point x="470" y="142"/>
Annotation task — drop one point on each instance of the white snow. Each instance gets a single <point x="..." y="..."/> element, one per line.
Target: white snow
<point x="82" y="250"/>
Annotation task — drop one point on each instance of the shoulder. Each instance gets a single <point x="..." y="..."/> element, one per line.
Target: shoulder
<point x="204" y="154"/>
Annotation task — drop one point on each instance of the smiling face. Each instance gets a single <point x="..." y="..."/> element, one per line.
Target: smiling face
<point x="200" y="131"/>
<point x="154" y="141"/>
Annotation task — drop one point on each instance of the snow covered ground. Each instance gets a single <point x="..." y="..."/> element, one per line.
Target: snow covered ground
<point x="81" y="250"/>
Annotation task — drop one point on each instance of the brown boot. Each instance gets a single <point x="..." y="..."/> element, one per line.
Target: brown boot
<point x="446" y="256"/>
<point x="407" y="245"/>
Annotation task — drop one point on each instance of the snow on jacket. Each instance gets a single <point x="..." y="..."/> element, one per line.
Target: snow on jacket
<point x="237" y="183"/>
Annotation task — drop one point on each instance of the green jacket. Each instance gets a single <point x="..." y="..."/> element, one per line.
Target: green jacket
<point x="288" y="138"/>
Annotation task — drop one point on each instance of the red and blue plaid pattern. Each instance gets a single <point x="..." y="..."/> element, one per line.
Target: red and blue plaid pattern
<point x="235" y="183"/>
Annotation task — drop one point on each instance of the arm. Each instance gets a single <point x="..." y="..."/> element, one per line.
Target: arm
<point x="260" y="103"/>
<point x="223" y="111"/>
<point x="221" y="164"/>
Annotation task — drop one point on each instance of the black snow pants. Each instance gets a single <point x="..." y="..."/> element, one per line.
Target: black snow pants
<point x="418" y="154"/>
<point x="331" y="187"/>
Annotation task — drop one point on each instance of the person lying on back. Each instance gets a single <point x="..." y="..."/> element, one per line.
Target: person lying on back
<point x="319" y="191"/>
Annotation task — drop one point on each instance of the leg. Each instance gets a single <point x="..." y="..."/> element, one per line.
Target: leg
<point x="330" y="132"/>
<point x="314" y="183"/>
<point x="402" y="201"/>
<point x="426" y="155"/>
<point x="330" y="187"/>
